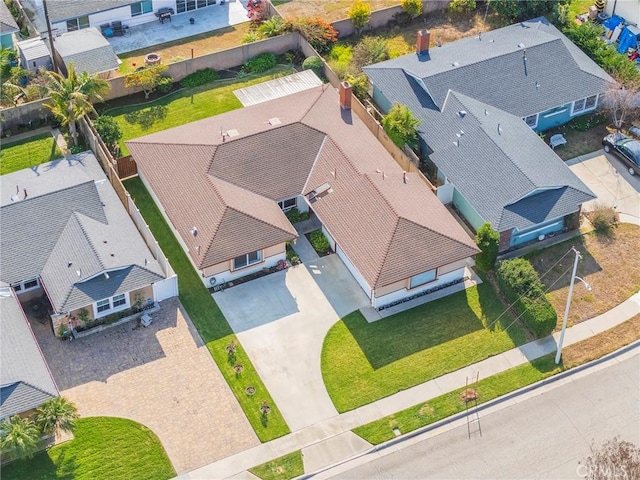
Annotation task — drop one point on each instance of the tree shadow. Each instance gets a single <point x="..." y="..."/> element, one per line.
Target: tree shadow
<point x="147" y="117"/>
<point x="398" y="336"/>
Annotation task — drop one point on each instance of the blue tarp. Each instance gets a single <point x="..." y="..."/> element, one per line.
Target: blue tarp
<point x="613" y="22"/>
<point x="628" y="38"/>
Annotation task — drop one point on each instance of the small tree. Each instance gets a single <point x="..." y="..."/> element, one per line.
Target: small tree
<point x="148" y="78"/>
<point x="488" y="241"/>
<point x="19" y="436"/>
<point x="359" y="14"/>
<point x="401" y="125"/>
<point x="412" y="7"/>
<point x="109" y="131"/>
<point x="319" y="33"/>
<point x="621" y="103"/>
<point x="614" y="459"/>
<point x="56" y="414"/>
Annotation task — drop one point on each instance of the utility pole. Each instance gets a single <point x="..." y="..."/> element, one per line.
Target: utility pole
<point x="53" y="50"/>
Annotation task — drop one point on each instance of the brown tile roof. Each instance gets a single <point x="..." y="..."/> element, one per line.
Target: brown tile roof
<point x="390" y="229"/>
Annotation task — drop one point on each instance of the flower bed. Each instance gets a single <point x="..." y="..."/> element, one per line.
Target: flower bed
<point x="112" y="320"/>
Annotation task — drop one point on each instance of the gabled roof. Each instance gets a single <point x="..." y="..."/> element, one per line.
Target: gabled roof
<point x="7" y="22"/>
<point x="33" y="49"/>
<point x="70" y="228"/>
<point x="315" y="142"/>
<point x="492" y="69"/>
<point x="25" y="380"/>
<point x="67" y="9"/>
<point x="88" y="50"/>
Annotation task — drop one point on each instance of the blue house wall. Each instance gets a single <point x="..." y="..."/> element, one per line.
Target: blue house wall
<point x="466" y="210"/>
<point x="6" y="40"/>
<point x="560" y="115"/>
<point x="380" y="100"/>
<point x="526" y="235"/>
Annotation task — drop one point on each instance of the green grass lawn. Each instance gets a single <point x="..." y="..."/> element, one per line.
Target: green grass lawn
<point x="363" y="362"/>
<point x="185" y="106"/>
<point x="451" y="403"/>
<point x="103" y="448"/>
<point x="283" y="468"/>
<point x="210" y="322"/>
<point x="28" y="153"/>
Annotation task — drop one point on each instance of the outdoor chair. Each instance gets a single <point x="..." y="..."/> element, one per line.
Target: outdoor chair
<point x="119" y="30"/>
<point x="106" y="30"/>
<point x="557" y="140"/>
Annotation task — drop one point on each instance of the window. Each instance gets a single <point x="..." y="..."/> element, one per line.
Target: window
<point x="77" y="23"/>
<point x="287" y="204"/>
<point x="117" y="302"/>
<point x="181" y="6"/>
<point x="103" y="305"/>
<point x="26" y="285"/>
<point x="531" y="120"/>
<point x="422" y="278"/>
<point x="246" y="260"/>
<point x="140" y="8"/>
<point x="583" y="104"/>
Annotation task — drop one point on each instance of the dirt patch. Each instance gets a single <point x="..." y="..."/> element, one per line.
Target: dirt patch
<point x="327" y="10"/>
<point x="611" y="265"/>
<point x="602" y="344"/>
<point x="578" y="143"/>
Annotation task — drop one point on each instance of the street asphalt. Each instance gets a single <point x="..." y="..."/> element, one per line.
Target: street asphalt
<point x="543" y="436"/>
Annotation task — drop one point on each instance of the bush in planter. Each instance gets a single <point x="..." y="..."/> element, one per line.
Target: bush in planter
<point x="522" y="288"/>
<point x="165" y="84"/>
<point x="294" y="215"/>
<point x="604" y="219"/>
<point x="318" y="241"/>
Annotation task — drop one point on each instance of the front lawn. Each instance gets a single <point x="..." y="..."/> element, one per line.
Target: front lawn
<point x="611" y="265"/>
<point x="28" y="153"/>
<point x="363" y="362"/>
<point x="185" y="106"/>
<point x="103" y="448"/>
<point x="283" y="468"/>
<point x="450" y="403"/>
<point x="210" y="322"/>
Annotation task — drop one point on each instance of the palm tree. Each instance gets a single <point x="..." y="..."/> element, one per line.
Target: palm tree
<point x="56" y="414"/>
<point x="19" y="435"/>
<point x="71" y="97"/>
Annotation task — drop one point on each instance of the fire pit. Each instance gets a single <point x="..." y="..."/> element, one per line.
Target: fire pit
<point x="152" y="59"/>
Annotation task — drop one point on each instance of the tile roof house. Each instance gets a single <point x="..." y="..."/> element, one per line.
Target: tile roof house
<point x="68" y="245"/>
<point x="88" y="50"/>
<point x="25" y="379"/>
<point x="481" y="101"/>
<point x="8" y="27"/>
<point x="224" y="182"/>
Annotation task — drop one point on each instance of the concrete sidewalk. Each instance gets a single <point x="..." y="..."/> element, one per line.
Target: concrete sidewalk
<point x="319" y="442"/>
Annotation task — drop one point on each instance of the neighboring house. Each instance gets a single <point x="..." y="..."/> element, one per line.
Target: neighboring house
<point x="88" y="50"/>
<point x="8" y="27"/>
<point x="224" y="182"/>
<point x="69" y="246"/>
<point x="25" y="379"/>
<point x="70" y="15"/>
<point x="34" y="54"/>
<point x="481" y="101"/>
<point x="627" y="9"/>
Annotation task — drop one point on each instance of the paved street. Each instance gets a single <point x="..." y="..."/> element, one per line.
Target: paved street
<point x="544" y="436"/>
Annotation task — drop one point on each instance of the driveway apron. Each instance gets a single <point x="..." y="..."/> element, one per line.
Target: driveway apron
<point x="281" y="320"/>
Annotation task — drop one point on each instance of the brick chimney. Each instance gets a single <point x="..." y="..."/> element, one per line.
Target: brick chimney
<point x="422" y="42"/>
<point x="345" y="95"/>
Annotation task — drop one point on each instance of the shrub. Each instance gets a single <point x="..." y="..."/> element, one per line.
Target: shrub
<point x="260" y="63"/>
<point x="401" y="125"/>
<point x="488" y="241"/>
<point x="315" y="64"/>
<point x="273" y="27"/>
<point x="522" y="288"/>
<point x="294" y="215"/>
<point x="252" y="36"/>
<point x="109" y="130"/>
<point x="165" y="84"/>
<point x="199" y="77"/>
<point x="359" y="14"/>
<point x="359" y="84"/>
<point x="257" y="11"/>
<point x="462" y="6"/>
<point x="370" y="50"/>
<point x="587" y="122"/>
<point x="604" y="219"/>
<point x="319" y="242"/>
<point x="318" y="33"/>
<point x="412" y="7"/>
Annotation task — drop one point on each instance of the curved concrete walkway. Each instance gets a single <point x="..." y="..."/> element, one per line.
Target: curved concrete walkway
<point x="318" y="442"/>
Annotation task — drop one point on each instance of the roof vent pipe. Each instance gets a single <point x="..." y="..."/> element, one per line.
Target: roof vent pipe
<point x="404" y="177"/>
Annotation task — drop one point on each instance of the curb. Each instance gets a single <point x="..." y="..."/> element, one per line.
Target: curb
<point x="483" y="406"/>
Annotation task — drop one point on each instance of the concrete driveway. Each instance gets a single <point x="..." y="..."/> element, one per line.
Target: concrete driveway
<point x="610" y="180"/>
<point x="281" y="320"/>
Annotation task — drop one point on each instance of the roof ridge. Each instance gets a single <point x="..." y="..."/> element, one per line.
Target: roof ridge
<point x="315" y="160"/>
<point x="437" y="232"/>
<point x="386" y="252"/>
<point x="313" y="104"/>
<point x="53" y="192"/>
<point x="258" y="219"/>
<point x="88" y="238"/>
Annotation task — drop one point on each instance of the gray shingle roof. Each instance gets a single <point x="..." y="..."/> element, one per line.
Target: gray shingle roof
<point x="21" y="361"/>
<point x="71" y="221"/>
<point x="493" y="70"/>
<point x="88" y="50"/>
<point x="66" y="9"/>
<point x="7" y="22"/>
<point x="33" y="49"/>
<point x="498" y="160"/>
